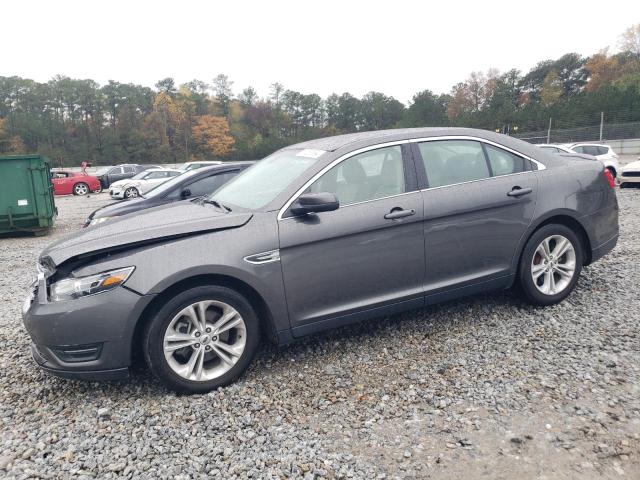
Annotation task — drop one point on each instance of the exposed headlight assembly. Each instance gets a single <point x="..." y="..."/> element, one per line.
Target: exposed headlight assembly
<point x="72" y="288"/>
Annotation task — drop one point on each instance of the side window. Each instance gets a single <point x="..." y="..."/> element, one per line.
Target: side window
<point x="129" y="170"/>
<point x="115" y="170"/>
<point x="447" y="162"/>
<point x="155" y="176"/>
<point x="578" y="149"/>
<point x="210" y="184"/>
<point x="173" y="174"/>
<point x="367" y="176"/>
<point x="603" y="150"/>
<point x="503" y="162"/>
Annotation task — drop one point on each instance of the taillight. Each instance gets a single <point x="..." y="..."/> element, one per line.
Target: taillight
<point x="609" y="176"/>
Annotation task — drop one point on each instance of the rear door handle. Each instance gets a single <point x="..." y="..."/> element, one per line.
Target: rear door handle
<point x="518" y="192"/>
<point x="396" y="213"/>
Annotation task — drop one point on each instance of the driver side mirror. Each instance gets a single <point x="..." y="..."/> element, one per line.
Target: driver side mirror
<point x="314" y="203"/>
<point x="185" y="193"/>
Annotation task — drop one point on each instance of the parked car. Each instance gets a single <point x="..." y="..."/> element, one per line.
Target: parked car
<point x="141" y="183"/>
<point x="604" y="153"/>
<point x="317" y="235"/>
<point x="191" y="184"/>
<point x="549" y="147"/>
<point x="630" y="173"/>
<point x="76" y="183"/>
<point x="192" y="165"/>
<point x="109" y="175"/>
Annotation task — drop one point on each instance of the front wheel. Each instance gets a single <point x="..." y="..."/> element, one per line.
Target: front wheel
<point x="131" y="192"/>
<point x="201" y="339"/>
<point x="80" y="189"/>
<point x="550" y="265"/>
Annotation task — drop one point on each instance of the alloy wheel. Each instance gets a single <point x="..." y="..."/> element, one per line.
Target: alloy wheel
<point x="131" y="192"/>
<point x="81" y="189"/>
<point x="553" y="265"/>
<point x="204" y="340"/>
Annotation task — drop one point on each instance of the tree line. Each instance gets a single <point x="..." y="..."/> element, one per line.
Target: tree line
<point x="73" y="120"/>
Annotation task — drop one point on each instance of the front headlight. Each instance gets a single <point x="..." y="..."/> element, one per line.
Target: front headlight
<point x="72" y="288"/>
<point x="98" y="221"/>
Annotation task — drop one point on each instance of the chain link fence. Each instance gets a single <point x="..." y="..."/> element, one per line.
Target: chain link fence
<point x="601" y="131"/>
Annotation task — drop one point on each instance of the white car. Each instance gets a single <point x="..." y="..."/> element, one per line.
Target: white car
<point x="630" y="173"/>
<point x="185" y="167"/>
<point x="604" y="153"/>
<point x="141" y="183"/>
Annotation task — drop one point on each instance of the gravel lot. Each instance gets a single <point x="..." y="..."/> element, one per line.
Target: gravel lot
<point x="487" y="386"/>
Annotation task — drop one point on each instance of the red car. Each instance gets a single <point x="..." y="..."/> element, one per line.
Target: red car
<point x="66" y="183"/>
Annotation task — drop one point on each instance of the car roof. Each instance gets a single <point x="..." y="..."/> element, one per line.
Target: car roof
<point x="587" y="144"/>
<point x="352" y="141"/>
<point x="161" y="169"/>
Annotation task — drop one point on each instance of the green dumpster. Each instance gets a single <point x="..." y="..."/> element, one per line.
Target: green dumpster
<point x="26" y="195"/>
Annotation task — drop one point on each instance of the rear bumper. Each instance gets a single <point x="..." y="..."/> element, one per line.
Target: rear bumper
<point x="601" y="250"/>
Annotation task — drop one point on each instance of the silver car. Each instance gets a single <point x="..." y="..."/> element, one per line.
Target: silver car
<point x="315" y="236"/>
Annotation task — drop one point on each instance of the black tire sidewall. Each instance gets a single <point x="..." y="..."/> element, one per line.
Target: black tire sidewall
<point x="155" y="328"/>
<point x="527" y="286"/>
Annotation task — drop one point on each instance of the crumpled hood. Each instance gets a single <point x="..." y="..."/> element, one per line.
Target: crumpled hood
<point x="167" y="221"/>
<point x="633" y="166"/>
<point x="126" y="181"/>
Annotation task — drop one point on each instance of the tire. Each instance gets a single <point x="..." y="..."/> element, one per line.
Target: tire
<point x="99" y="189"/>
<point x="171" y="367"/>
<point x="81" y="188"/>
<point x="131" y="192"/>
<point x="613" y="171"/>
<point x="555" y="275"/>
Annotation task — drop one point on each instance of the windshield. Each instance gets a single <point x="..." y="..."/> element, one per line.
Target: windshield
<point x="261" y="183"/>
<point x="169" y="184"/>
<point x="140" y="175"/>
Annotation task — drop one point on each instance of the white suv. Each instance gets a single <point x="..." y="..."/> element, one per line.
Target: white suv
<point x="604" y="153"/>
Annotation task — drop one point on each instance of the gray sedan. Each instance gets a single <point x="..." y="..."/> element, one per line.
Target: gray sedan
<point x="317" y="235"/>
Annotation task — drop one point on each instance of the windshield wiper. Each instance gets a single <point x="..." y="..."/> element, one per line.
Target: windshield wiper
<point x="216" y="204"/>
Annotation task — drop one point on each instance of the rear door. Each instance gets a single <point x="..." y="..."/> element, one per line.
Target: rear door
<point x="363" y="259"/>
<point x="479" y="201"/>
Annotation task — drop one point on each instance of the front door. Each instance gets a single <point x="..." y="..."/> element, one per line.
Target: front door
<point x="365" y="258"/>
<point x="479" y="202"/>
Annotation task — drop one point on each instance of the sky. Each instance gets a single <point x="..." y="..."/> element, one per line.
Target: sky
<point x="396" y="47"/>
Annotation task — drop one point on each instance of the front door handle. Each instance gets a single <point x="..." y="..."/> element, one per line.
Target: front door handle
<point x="518" y="192"/>
<point x="396" y="213"/>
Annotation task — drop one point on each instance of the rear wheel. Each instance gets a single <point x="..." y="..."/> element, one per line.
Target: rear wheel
<point x="80" y="189"/>
<point x="201" y="339"/>
<point x="550" y="265"/>
<point x="613" y="171"/>
<point x="131" y="192"/>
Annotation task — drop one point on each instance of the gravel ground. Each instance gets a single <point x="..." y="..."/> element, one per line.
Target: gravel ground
<point x="487" y="386"/>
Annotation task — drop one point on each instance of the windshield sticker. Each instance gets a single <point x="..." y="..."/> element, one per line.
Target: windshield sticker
<point x="310" y="153"/>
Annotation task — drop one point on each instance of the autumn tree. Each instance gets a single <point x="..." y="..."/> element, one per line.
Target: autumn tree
<point x="222" y="87"/>
<point x="551" y="88"/>
<point x="211" y="136"/>
<point x="630" y="40"/>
